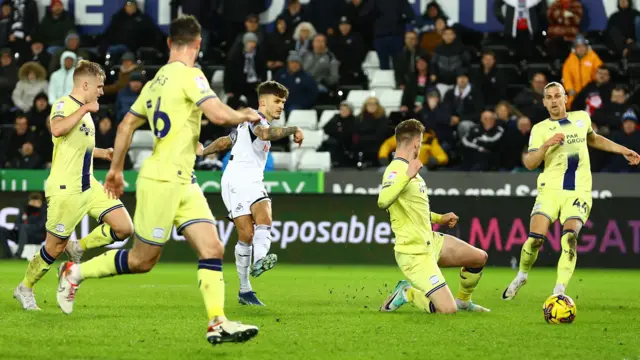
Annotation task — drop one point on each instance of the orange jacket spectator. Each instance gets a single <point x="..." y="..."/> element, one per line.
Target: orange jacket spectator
<point x="431" y="153"/>
<point x="580" y="68"/>
<point x="564" y="19"/>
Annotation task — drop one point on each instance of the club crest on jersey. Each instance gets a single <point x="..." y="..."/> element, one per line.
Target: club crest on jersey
<point x="434" y="279"/>
<point x="59" y="105"/>
<point x="392" y="175"/>
<point x="202" y="84"/>
<point x="579" y="123"/>
<point x="86" y="130"/>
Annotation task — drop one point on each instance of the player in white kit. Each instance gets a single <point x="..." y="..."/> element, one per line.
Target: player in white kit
<point x="243" y="191"/>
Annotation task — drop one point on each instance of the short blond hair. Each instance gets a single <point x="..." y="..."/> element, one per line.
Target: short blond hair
<point x="407" y="130"/>
<point x="555" y="84"/>
<point x="88" y="68"/>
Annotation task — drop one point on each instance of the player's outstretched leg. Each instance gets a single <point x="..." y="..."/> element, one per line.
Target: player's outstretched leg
<point x="243" y="252"/>
<point x="262" y="260"/>
<point x="37" y="268"/>
<point x="115" y="226"/>
<point x="456" y="252"/>
<point x="539" y="226"/>
<point x="141" y="259"/>
<point x="568" y="257"/>
<point x="203" y="237"/>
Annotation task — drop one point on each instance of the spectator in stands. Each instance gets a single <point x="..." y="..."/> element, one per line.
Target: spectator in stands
<point x="609" y="117"/>
<point x="523" y="21"/>
<point x="325" y="14"/>
<point x="33" y="80"/>
<point x="38" y="53"/>
<point x="61" y="82"/>
<point x="30" y="223"/>
<point x="482" y="144"/>
<point x="405" y="63"/>
<point x="340" y="132"/>
<point x="389" y="21"/>
<point x="55" y="26"/>
<point x="127" y="66"/>
<point x="362" y="23"/>
<point x="437" y="116"/>
<point x="6" y="19"/>
<point x="580" y="68"/>
<point x="25" y="24"/>
<point x="490" y="81"/>
<point x="8" y="77"/>
<point x="128" y="95"/>
<point x="506" y="114"/>
<point x="515" y="140"/>
<point x="303" y="89"/>
<point x="105" y="138"/>
<point x="448" y="58"/>
<point x="235" y="13"/>
<point x="245" y="69"/>
<point x="293" y="15"/>
<point x="529" y="101"/>
<point x="131" y="29"/>
<point x="621" y="28"/>
<point x="629" y="137"/>
<point x="564" y="18"/>
<point x="40" y="110"/>
<point x="427" y="22"/>
<point x="370" y="129"/>
<point x="27" y="158"/>
<point x="465" y="103"/>
<point x="251" y="25"/>
<point x="303" y="37"/>
<point x="431" y="153"/>
<point x="349" y="49"/>
<point x="429" y="41"/>
<point x="415" y="89"/>
<point x="12" y="142"/>
<point x="596" y="94"/>
<point x="72" y="44"/>
<point x="44" y="144"/>
<point x="322" y="65"/>
<point x="279" y="43"/>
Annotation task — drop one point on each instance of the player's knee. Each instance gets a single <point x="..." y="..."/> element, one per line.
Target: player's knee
<point x="140" y="265"/>
<point x="214" y="250"/>
<point x="447" y="309"/>
<point x="481" y="258"/>
<point x="246" y="236"/>
<point x="123" y="230"/>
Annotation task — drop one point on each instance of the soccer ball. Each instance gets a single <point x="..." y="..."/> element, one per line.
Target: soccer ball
<point x="559" y="309"/>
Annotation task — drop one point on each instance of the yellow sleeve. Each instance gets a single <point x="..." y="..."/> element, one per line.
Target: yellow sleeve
<point x="196" y="87"/>
<point x="62" y="108"/>
<point x="387" y="147"/>
<point x="139" y="107"/>
<point x="536" y="139"/>
<point x="394" y="181"/>
<point x="438" y="152"/>
<point x="436" y="218"/>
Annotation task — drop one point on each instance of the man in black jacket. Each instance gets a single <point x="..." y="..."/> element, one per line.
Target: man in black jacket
<point x="465" y="103"/>
<point x="490" y="81"/>
<point x="203" y="10"/>
<point x="448" y="58"/>
<point x="529" y="101"/>
<point x="596" y="94"/>
<point x="482" y="144"/>
<point x="348" y="47"/>
<point x="131" y="29"/>
<point x="621" y="28"/>
<point x="523" y="21"/>
<point x="30" y="223"/>
<point x="245" y="69"/>
<point x="608" y="118"/>
<point x="390" y="18"/>
<point x="235" y="13"/>
<point x="629" y="137"/>
<point x="405" y="63"/>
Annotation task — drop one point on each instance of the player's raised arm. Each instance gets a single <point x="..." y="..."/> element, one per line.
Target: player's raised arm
<point x="220" y="113"/>
<point x="538" y="147"/>
<point x="602" y="143"/>
<point x="272" y="133"/>
<point x="220" y="144"/>
<point x="61" y="124"/>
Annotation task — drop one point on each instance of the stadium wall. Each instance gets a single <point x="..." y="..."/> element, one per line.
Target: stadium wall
<point x="339" y="229"/>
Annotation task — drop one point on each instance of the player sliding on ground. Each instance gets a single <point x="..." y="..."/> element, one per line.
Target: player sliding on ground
<point x="564" y="188"/>
<point x="419" y="251"/>
<point x="167" y="193"/>
<point x="243" y="192"/>
<point x="71" y="190"/>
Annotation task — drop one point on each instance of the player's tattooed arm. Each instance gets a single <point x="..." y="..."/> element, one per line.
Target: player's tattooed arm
<point x="271" y="133"/>
<point x="218" y="145"/>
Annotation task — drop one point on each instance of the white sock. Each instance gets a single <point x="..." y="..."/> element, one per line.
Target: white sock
<point x="559" y="289"/>
<point x="261" y="242"/>
<point x="522" y="275"/>
<point x="243" y="260"/>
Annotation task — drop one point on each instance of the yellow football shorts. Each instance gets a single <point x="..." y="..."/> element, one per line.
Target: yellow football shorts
<point x="422" y="270"/>
<point x="563" y="205"/>
<point x="161" y="204"/>
<point x="65" y="211"/>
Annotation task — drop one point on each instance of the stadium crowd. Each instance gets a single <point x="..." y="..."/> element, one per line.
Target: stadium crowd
<point x="478" y="94"/>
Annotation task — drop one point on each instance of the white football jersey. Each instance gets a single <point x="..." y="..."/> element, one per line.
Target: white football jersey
<point x="248" y="153"/>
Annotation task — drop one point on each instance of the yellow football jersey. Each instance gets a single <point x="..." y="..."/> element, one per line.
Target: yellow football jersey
<point x="170" y="103"/>
<point x="72" y="162"/>
<point x="410" y="212"/>
<point x="567" y="165"/>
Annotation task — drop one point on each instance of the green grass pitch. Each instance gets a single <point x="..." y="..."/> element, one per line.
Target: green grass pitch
<point x="319" y="312"/>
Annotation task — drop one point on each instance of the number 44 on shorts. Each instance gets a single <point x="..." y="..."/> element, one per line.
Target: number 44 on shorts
<point x="584" y="208"/>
